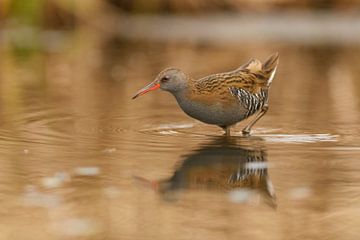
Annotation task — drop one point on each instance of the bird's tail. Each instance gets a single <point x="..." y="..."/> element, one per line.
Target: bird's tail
<point x="269" y="67"/>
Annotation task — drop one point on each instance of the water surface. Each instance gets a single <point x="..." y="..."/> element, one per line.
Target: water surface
<point x="81" y="160"/>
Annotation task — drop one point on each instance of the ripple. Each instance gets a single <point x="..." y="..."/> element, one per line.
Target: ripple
<point x="92" y="126"/>
<point x="55" y="127"/>
<point x="182" y="132"/>
<point x="41" y="126"/>
<point x="189" y="131"/>
<point x="299" y="138"/>
<point x="169" y="132"/>
<point x="344" y="148"/>
<point x="176" y="126"/>
<point x="167" y="128"/>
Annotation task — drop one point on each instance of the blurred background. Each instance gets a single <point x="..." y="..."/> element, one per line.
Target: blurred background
<point x="80" y="160"/>
<point x="56" y="45"/>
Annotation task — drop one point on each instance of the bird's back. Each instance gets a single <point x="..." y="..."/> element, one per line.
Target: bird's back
<point x="253" y="77"/>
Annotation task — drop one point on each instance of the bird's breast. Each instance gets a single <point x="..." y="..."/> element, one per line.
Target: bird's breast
<point x="218" y="110"/>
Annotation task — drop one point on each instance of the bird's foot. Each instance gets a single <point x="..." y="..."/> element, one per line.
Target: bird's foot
<point x="227" y="132"/>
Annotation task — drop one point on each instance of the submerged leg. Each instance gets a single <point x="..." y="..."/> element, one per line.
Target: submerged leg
<point x="247" y="129"/>
<point x="227" y="130"/>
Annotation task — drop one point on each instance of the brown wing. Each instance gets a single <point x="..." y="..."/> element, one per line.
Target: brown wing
<point x="252" y="76"/>
<point x="253" y="65"/>
<point x="265" y="69"/>
<point x="262" y="74"/>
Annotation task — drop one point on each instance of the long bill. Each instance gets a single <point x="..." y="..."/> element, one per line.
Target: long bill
<point x="152" y="86"/>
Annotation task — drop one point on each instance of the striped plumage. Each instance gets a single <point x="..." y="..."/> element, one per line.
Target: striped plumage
<point x="253" y="102"/>
<point x="221" y="99"/>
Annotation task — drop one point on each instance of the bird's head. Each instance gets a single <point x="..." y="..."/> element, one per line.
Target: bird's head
<point x="171" y="80"/>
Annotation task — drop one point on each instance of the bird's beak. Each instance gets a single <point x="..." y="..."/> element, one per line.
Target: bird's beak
<point x="154" y="185"/>
<point x="152" y="86"/>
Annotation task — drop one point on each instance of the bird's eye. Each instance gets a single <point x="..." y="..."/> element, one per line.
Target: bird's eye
<point x="164" y="79"/>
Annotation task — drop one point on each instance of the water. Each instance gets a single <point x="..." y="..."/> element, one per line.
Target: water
<point x="81" y="160"/>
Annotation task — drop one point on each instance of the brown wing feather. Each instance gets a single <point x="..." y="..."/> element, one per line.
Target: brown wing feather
<point x="252" y="76"/>
<point x="253" y="65"/>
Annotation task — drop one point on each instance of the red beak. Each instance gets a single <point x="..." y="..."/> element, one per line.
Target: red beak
<point x="154" y="185"/>
<point x="152" y="86"/>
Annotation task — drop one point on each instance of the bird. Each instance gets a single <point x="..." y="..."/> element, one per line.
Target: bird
<point x="221" y="99"/>
<point x="223" y="165"/>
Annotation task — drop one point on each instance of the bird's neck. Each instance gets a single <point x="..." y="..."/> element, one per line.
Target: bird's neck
<point x="181" y="94"/>
<point x="185" y="91"/>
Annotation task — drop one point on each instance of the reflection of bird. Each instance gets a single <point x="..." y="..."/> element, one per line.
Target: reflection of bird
<point x="220" y="166"/>
<point x="221" y="99"/>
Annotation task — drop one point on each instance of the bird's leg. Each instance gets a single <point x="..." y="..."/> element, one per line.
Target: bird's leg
<point x="246" y="130"/>
<point x="227" y="130"/>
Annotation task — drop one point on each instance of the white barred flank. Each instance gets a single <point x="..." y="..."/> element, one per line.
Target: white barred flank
<point x="251" y="102"/>
<point x="255" y="165"/>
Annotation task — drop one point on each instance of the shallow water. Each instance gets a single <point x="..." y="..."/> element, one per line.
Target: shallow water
<point x="81" y="160"/>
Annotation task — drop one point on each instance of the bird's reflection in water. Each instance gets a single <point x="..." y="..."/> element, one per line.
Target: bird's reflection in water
<point x="236" y="166"/>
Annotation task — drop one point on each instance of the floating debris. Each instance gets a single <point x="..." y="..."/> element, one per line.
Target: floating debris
<point x="63" y="176"/>
<point x="240" y="195"/>
<point x="32" y="197"/>
<point x="77" y="227"/>
<point x="300" y="193"/>
<point x="56" y="181"/>
<point x="87" y="171"/>
<point x="111" y="192"/>
<point x="109" y="150"/>
<point x="51" y="182"/>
